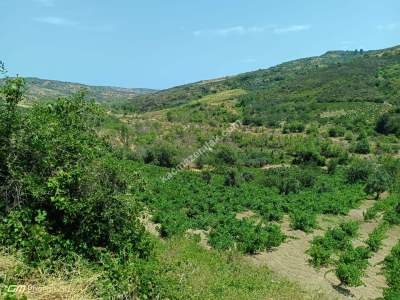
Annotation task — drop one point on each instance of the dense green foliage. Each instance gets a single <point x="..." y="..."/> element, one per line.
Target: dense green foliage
<point x="335" y="240"/>
<point x="392" y="273"/>
<point x="351" y="266"/>
<point x="389" y="123"/>
<point x="62" y="192"/>
<point x="376" y="237"/>
<point x="317" y="137"/>
<point x="39" y="90"/>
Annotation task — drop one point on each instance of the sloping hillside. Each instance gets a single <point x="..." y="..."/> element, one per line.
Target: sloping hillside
<point x="334" y="76"/>
<point x="44" y="89"/>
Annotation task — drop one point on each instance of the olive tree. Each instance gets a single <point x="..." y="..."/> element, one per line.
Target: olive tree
<point x="378" y="182"/>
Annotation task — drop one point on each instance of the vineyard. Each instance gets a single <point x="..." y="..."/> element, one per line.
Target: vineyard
<point x="140" y="198"/>
<point x="265" y="212"/>
<point x="307" y="185"/>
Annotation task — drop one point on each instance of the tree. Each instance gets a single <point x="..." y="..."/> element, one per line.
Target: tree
<point x="162" y="155"/>
<point x="358" y="171"/>
<point x="11" y="93"/>
<point x="232" y="178"/>
<point x="389" y="123"/>
<point x="226" y="155"/>
<point x="362" y="146"/>
<point x="308" y="154"/>
<point x="335" y="131"/>
<point x="2" y="68"/>
<point x="378" y="182"/>
<point x="73" y="198"/>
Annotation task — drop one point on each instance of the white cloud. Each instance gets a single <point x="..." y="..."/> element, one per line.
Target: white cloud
<point x="388" y="27"/>
<point x="56" y="21"/>
<point x="63" y="22"/>
<point x="292" y="28"/>
<point x="231" y="30"/>
<point x="235" y="30"/>
<point x="243" y="30"/>
<point x="47" y="3"/>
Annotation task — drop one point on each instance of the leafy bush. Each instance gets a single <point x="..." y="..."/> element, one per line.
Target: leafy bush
<point x="389" y="123"/>
<point x="332" y="150"/>
<point x="359" y="171"/>
<point x="70" y="200"/>
<point x="335" y="240"/>
<point x="352" y="265"/>
<point x="336" y="131"/>
<point x="63" y="171"/>
<point x="232" y="178"/>
<point x="392" y="273"/>
<point x="362" y="146"/>
<point x="332" y="166"/>
<point x="350" y="228"/>
<point x="303" y="220"/>
<point x="308" y="155"/>
<point x="245" y="235"/>
<point x="162" y="155"/>
<point x="171" y="224"/>
<point x="378" y="182"/>
<point x="226" y="155"/>
<point x="392" y="214"/>
<point x="290" y="180"/>
<point x="320" y="254"/>
<point x="376" y="237"/>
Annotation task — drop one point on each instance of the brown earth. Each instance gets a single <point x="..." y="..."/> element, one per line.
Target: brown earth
<point x="291" y="261"/>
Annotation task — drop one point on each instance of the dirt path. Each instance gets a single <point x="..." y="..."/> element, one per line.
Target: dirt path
<point x="363" y="232"/>
<point x="375" y="281"/>
<point x="291" y="261"/>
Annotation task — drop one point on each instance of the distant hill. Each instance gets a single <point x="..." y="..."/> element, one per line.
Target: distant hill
<point x="44" y="89"/>
<point x="333" y="76"/>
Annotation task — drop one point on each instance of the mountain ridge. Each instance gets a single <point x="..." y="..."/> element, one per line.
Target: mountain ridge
<point x="288" y="73"/>
<point x="47" y="89"/>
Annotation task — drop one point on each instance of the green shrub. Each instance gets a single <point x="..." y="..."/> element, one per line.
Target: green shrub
<point x="359" y="171"/>
<point x="290" y="180"/>
<point x="362" y="147"/>
<point x="349" y="274"/>
<point x="71" y="200"/>
<point x="389" y="123"/>
<point x="320" y="255"/>
<point x="376" y="237"/>
<point x="332" y="166"/>
<point x="303" y="220"/>
<point x="308" y="155"/>
<point x="352" y="265"/>
<point x="392" y="273"/>
<point x="162" y="155"/>
<point x="171" y="224"/>
<point x="232" y="178"/>
<point x="336" y="131"/>
<point x="392" y="215"/>
<point x="378" y="182"/>
<point x="332" y="151"/>
<point x="226" y="155"/>
<point x="245" y="235"/>
<point x="350" y="228"/>
<point x="335" y="240"/>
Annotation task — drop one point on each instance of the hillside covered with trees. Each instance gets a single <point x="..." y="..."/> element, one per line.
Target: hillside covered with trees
<point x="199" y="191"/>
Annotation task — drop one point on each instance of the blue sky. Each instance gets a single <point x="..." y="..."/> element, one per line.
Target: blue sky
<point x="163" y="43"/>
